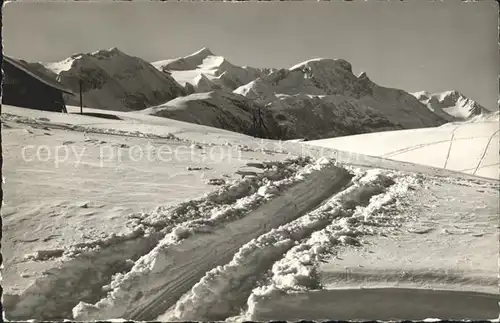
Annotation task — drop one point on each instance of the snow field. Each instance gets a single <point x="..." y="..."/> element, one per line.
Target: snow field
<point x="180" y="244"/>
<point x="468" y="147"/>
<point x="128" y="124"/>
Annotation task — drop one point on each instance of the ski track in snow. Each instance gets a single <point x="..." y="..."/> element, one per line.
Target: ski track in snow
<point x="300" y="244"/>
<point x="91" y="268"/>
<point x="449" y="147"/>
<point x="297" y="270"/>
<point x="209" y="269"/>
<point x="193" y="247"/>
<point x="478" y="167"/>
<point x="427" y="144"/>
<point x="485" y="151"/>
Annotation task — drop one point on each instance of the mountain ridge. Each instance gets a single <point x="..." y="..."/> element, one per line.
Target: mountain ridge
<point x="113" y="80"/>
<point x="320" y="91"/>
<point x="452" y="105"/>
<point x="216" y="69"/>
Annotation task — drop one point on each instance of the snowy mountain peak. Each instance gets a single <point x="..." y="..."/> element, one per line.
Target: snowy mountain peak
<point x="203" y="52"/>
<point x="104" y="53"/>
<point x="323" y="63"/>
<point x="453" y="105"/>
<point x="317" y="76"/>
<point x="113" y="80"/>
<point x="449" y="97"/>
<point x="421" y="95"/>
<point x="365" y="81"/>
<point x="216" y="69"/>
<point x="453" y="93"/>
<point x="201" y="78"/>
<point x="363" y="75"/>
<point x="313" y="92"/>
<point x="189" y="62"/>
<point x="203" y="84"/>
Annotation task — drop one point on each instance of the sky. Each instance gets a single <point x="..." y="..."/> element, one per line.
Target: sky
<point x="412" y="45"/>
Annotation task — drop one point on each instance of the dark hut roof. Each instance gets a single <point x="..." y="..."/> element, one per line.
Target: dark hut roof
<point x="47" y="80"/>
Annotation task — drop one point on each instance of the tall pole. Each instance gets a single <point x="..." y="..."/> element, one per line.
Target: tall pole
<point x="81" y="98"/>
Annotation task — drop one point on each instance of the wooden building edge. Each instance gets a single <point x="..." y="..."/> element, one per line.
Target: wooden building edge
<point x="24" y="87"/>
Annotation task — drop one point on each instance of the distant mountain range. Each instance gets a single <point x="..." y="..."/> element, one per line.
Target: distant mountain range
<point x="451" y="105"/>
<point x="319" y="98"/>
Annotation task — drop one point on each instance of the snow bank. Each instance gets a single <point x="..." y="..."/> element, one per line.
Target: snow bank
<point x="212" y="229"/>
<point x="297" y="271"/>
<point x="78" y="275"/>
<point x="223" y="290"/>
<point x="42" y="255"/>
<point x="227" y="199"/>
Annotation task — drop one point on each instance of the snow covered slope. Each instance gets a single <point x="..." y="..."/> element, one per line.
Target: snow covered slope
<point x="451" y="105"/>
<point x="487" y="117"/>
<point x="470" y="147"/>
<point x="323" y="116"/>
<point x="113" y="80"/>
<point x="128" y="123"/>
<point x="315" y="99"/>
<point x="205" y="71"/>
<point x="220" y="109"/>
<point x="335" y="88"/>
<point x="41" y="69"/>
